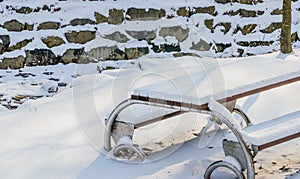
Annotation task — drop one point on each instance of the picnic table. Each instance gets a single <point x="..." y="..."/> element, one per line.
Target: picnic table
<point x="212" y="87"/>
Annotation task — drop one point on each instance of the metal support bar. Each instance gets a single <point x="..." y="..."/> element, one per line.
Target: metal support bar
<point x="246" y="151"/>
<point x="232" y="148"/>
<point x="240" y="112"/>
<point x="111" y="119"/>
<point x="117" y="110"/>
<point x="218" y="164"/>
<point x="190" y="108"/>
<point x="146" y="101"/>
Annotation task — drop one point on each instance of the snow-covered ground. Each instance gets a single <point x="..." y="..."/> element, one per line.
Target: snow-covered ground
<point x="60" y="135"/>
<point x="57" y="129"/>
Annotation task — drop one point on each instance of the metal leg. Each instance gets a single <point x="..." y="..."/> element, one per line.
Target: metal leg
<point x="117" y="110"/>
<point x="239" y="111"/>
<point x="206" y="137"/>
<point x="225" y="164"/>
<point x="127" y="151"/>
<point x="234" y="149"/>
<point x="111" y="119"/>
<point x="245" y="149"/>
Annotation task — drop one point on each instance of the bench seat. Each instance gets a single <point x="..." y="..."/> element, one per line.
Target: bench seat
<point x="243" y="144"/>
<point x="273" y="131"/>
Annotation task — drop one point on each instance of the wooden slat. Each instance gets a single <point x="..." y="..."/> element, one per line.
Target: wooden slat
<point x="258" y="90"/>
<point x="279" y="141"/>
<point x="170" y="102"/>
<point x="160" y="118"/>
<point x="223" y="100"/>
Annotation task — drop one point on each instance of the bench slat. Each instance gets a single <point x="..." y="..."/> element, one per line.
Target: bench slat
<point x="279" y="141"/>
<point x="258" y="90"/>
<point x="223" y="100"/>
<point x="160" y="118"/>
<point x="170" y="102"/>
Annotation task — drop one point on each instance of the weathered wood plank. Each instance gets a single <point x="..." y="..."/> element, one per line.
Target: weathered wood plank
<point x="160" y="118"/>
<point x="279" y="141"/>
<point x="223" y="100"/>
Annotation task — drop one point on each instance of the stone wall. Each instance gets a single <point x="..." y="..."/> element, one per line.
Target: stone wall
<point x="48" y="34"/>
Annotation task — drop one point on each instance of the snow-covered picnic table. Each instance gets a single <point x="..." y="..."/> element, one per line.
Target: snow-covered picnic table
<point x="199" y="85"/>
<point x="203" y="79"/>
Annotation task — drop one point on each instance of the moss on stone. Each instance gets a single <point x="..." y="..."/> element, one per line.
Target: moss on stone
<point x="184" y="12"/>
<point x="276" y="12"/>
<point x="134" y="53"/>
<point x="100" y="18"/>
<point x="19" y="45"/>
<point x="272" y="27"/>
<point x="12" y="63"/>
<point x="247" y="29"/>
<point x="118" y="37"/>
<point x="207" y="10"/>
<point x="116" y="16"/>
<point x="14" y="25"/>
<point x="143" y="14"/>
<point x="178" y="32"/>
<point x="209" y="23"/>
<point x="48" y="25"/>
<point x="53" y="41"/>
<point x="80" y="37"/>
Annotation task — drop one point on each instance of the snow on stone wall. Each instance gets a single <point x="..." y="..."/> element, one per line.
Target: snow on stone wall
<point x="45" y="33"/>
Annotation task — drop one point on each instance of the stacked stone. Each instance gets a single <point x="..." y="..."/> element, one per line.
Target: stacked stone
<point x="117" y="17"/>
